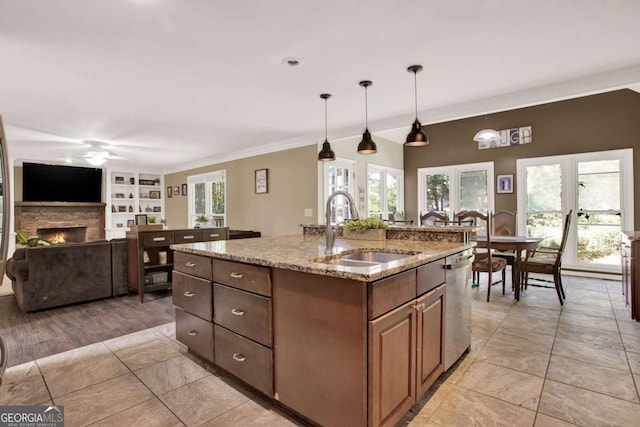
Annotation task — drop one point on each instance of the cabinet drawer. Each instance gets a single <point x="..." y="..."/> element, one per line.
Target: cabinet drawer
<point x="187" y="236"/>
<point x="247" y="360"/>
<point x="195" y="265"/>
<point x="430" y="276"/>
<point x="391" y="292"/>
<point x="193" y="295"/>
<point x="244" y="313"/>
<point x="214" y="234"/>
<point x="161" y="238"/>
<point x="195" y="333"/>
<point x="252" y="278"/>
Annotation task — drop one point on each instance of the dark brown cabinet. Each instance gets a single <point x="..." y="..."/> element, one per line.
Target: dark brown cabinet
<point x="405" y="356"/>
<point x="150" y="259"/>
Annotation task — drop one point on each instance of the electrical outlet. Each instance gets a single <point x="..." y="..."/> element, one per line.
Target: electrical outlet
<point x="308" y="212"/>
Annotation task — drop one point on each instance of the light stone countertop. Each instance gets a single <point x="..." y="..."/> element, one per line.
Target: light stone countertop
<point x="298" y="252"/>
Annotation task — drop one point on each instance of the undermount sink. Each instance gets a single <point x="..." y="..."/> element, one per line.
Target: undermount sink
<point x="364" y="258"/>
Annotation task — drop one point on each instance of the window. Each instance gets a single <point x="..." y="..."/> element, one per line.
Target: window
<point x="339" y="175"/>
<point x="385" y="192"/>
<point x="449" y="189"/>
<point x="207" y="199"/>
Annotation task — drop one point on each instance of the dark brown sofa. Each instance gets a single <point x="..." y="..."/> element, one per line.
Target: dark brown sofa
<point x="51" y="276"/>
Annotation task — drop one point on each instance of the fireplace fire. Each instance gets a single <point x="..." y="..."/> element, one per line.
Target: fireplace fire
<point x="63" y="234"/>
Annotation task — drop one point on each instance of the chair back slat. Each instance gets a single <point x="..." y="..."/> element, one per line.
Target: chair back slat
<point x="430" y="217"/>
<point x="565" y="235"/>
<point x="479" y="220"/>
<point x="504" y="223"/>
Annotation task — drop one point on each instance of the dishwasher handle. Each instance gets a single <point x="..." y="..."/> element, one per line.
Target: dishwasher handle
<point x="466" y="262"/>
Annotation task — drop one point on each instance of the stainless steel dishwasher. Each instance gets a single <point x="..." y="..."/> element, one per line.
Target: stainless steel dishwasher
<point x="458" y="306"/>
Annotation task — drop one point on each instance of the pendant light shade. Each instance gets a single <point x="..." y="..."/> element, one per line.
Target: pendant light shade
<point x="487" y="135"/>
<point x="326" y="154"/>
<point x="366" y="146"/>
<point x="417" y="137"/>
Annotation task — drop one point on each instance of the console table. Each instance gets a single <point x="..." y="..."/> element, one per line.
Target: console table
<point x="150" y="259"/>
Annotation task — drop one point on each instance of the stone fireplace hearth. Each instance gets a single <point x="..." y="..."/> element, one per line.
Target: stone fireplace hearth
<point x="31" y="217"/>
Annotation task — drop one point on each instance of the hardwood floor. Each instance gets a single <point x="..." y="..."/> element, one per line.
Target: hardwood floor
<point x="30" y="336"/>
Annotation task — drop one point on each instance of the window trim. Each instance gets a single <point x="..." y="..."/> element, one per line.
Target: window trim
<point x="207" y="178"/>
<point x="384" y="170"/>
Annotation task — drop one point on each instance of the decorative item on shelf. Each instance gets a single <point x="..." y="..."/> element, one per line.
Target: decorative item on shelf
<point x="157" y="209"/>
<point x="148" y="182"/>
<point x="326" y="154"/>
<point x="367" y="145"/>
<point x="139" y="208"/>
<point x="156" y="181"/>
<point x="162" y="257"/>
<point x="145" y="257"/>
<point x="154" y="194"/>
<point x="201" y="219"/>
<point x="184" y="189"/>
<point x="122" y="208"/>
<point x="132" y="181"/>
<point x="366" y="229"/>
<point x="130" y="223"/>
<point x="417" y="137"/>
<point x="130" y="208"/>
<point x="119" y="225"/>
<point x="141" y="219"/>
<point x="148" y="208"/>
<point x="151" y="220"/>
<point x="113" y="208"/>
<point x="262" y="181"/>
<point x="169" y="192"/>
<point x="118" y="180"/>
<point x="144" y="195"/>
<point x="131" y="195"/>
<point x="119" y="196"/>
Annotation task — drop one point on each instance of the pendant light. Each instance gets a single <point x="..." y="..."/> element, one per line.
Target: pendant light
<point x="487" y="135"/>
<point x="366" y="146"/>
<point x="417" y="137"/>
<point x="326" y="154"/>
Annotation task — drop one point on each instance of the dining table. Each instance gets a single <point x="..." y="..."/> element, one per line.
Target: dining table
<point x="517" y="244"/>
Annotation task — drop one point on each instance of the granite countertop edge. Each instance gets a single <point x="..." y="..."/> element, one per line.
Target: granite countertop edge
<point x="300" y="253"/>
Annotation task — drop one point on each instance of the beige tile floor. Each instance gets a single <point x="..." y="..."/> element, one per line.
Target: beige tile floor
<point x="532" y="363"/>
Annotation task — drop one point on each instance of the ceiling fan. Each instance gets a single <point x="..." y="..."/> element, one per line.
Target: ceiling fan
<point x="97" y="154"/>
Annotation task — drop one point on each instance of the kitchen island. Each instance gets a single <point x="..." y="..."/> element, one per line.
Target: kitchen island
<point x="337" y="343"/>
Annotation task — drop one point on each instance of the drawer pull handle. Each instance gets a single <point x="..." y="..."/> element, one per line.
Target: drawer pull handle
<point x="187" y="237"/>
<point x="239" y="357"/>
<point x="192" y="333"/>
<point x="190" y="264"/>
<point x="237" y="275"/>
<point x="214" y="235"/>
<point x="237" y="312"/>
<point x="159" y="239"/>
<point x="188" y="294"/>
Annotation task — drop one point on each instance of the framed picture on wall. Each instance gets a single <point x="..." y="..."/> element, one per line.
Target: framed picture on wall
<point x="262" y="184"/>
<point x="504" y="183"/>
<point x="176" y="190"/>
<point x="141" y="219"/>
<point x="169" y="192"/>
<point x="184" y="189"/>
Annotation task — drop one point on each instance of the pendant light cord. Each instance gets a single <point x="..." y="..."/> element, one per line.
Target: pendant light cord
<point x="366" y="109"/>
<point x="325" y="119"/>
<point x="415" y="87"/>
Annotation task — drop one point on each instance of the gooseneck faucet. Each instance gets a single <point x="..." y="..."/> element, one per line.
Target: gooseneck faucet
<point x="329" y="233"/>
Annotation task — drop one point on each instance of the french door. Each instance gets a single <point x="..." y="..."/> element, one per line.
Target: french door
<point x="450" y="189"/>
<point x="597" y="186"/>
<point x="339" y="175"/>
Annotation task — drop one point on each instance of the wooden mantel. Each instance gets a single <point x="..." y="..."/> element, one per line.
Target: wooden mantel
<point x="29" y="216"/>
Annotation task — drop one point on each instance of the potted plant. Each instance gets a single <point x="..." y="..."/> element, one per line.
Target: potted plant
<point x="201" y="219"/>
<point x="366" y="229"/>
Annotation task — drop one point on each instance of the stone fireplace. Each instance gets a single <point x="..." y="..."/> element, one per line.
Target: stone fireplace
<point x="63" y="234"/>
<point x="84" y="221"/>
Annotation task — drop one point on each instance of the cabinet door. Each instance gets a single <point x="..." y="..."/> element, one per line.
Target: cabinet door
<point x="392" y="365"/>
<point x="430" y="338"/>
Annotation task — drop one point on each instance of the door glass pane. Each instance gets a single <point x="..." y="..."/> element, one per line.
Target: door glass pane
<point x="598" y="216"/>
<point x="474" y="194"/>
<point x="199" y="195"/>
<point x="544" y="203"/>
<point x="392" y="195"/>
<point x="374" y="187"/>
<point x="437" y="192"/>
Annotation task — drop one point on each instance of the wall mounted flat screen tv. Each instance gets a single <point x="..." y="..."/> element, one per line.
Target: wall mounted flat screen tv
<point x="55" y="183"/>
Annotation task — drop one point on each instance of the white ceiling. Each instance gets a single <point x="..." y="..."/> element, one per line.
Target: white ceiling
<point x="171" y="84"/>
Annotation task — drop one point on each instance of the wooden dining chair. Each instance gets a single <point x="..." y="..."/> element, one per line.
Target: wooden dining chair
<point x="4" y="358"/>
<point x="504" y="224"/>
<point x="430" y="217"/>
<point x="478" y="219"/>
<point x="547" y="260"/>
<point x="485" y="262"/>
